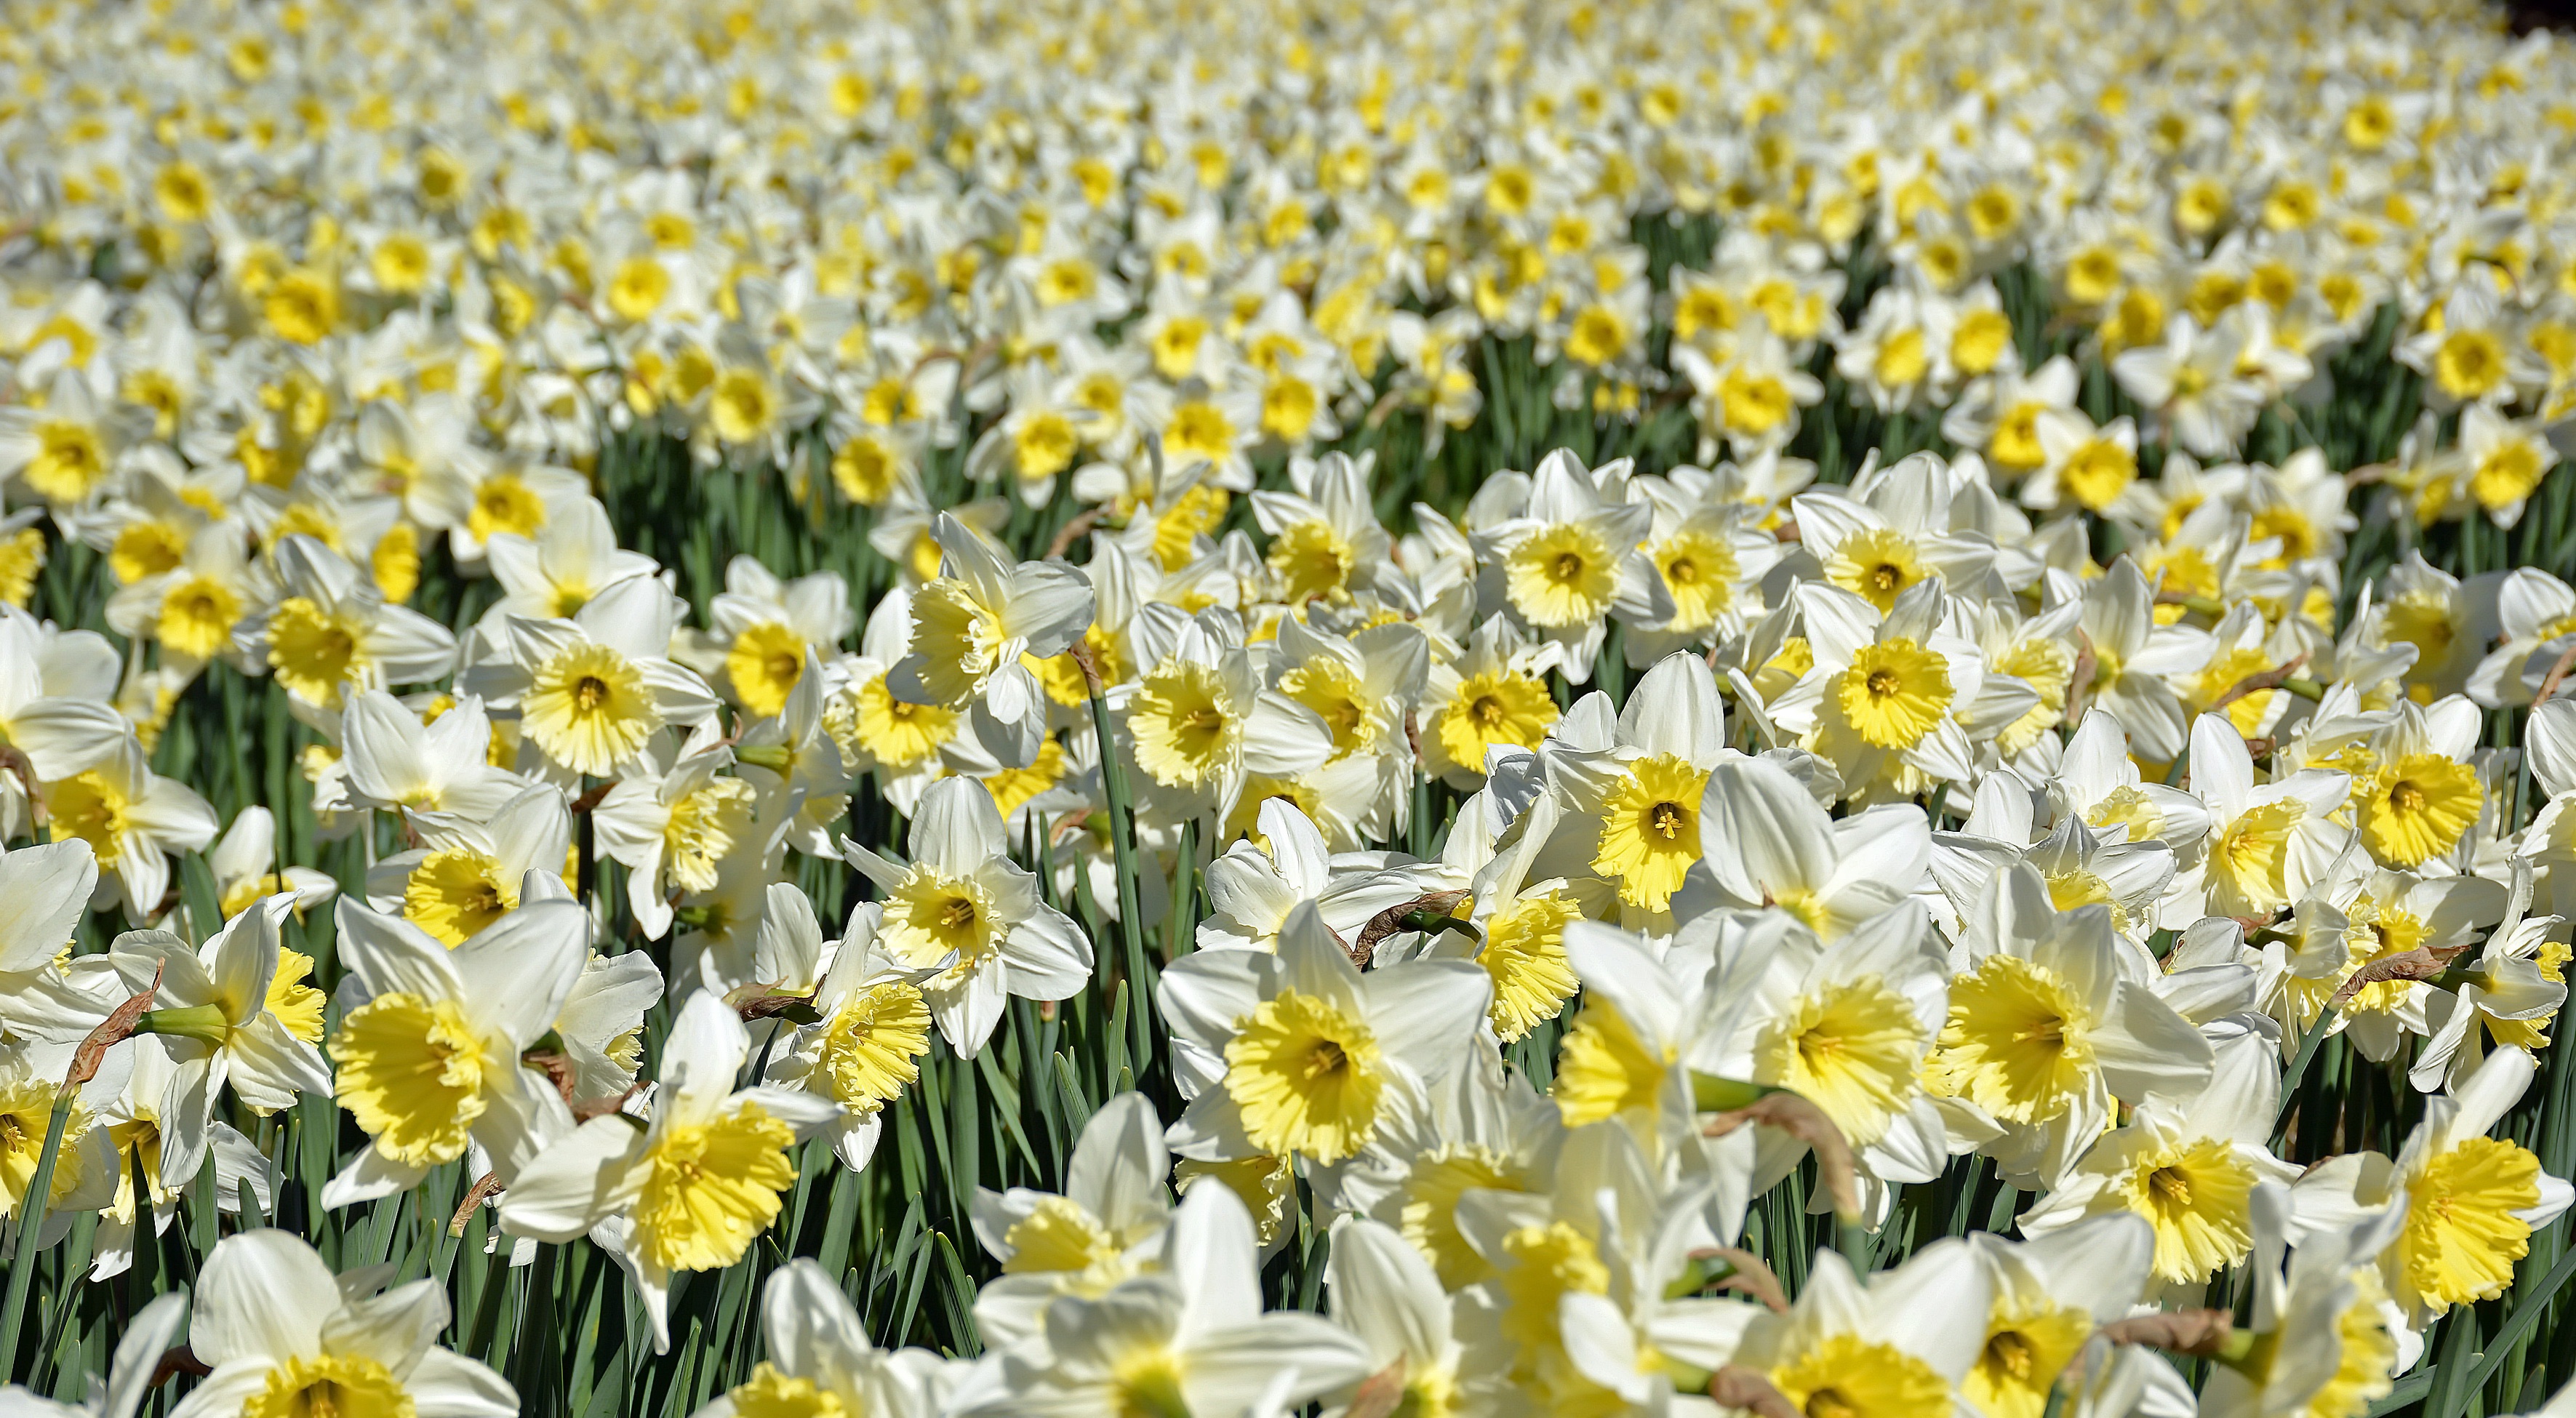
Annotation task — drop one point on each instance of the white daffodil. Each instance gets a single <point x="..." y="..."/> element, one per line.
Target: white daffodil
<point x="2324" y="1335"/>
<point x="1481" y="1129"/>
<point x="45" y="996"/>
<point x="591" y="690"/>
<point x="2052" y="1017"/>
<point x="2098" y="784"/>
<point x="1630" y="792"/>
<point x="1384" y="1291"/>
<point x="1771" y="844"/>
<point x="688" y="1189"/>
<point x="1890" y="534"/>
<point x="872" y="1027"/>
<point x="331" y="631"/>
<point x="821" y="1361"/>
<point x="1253" y="887"/>
<point x="1903" y="1341"/>
<point x="2471" y="1201"/>
<point x="1291" y="1052"/>
<point x="964" y="909"/>
<point x="1559" y="550"/>
<point x="1105" y="1227"/>
<point x="1325" y="538"/>
<point x="2188" y="1164"/>
<point x="1197" y="723"/>
<point x="1494" y="696"/>
<point x="767" y="628"/>
<point x="467" y="875"/>
<point x="1892" y="703"/>
<point x="2266" y="842"/>
<point x="396" y="763"/>
<point x="1845" y="1026"/>
<point x="974" y="623"/>
<point x="1191" y="1337"/>
<point x="2048" y="1295"/>
<point x="672" y="824"/>
<point x="133" y="820"/>
<point x="284" y="1334"/>
<point x="244" y="863"/>
<point x="218" y="1007"/>
<point x="429" y="1044"/>
<point x="56" y="694"/>
<point x="2136" y="661"/>
<point x="564" y="566"/>
<point x="130" y="1120"/>
<point x="795" y="752"/>
<point x="2507" y="994"/>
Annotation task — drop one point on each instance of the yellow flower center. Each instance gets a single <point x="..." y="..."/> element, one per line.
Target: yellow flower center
<point x="1561" y="576"/>
<point x="1846" y="1376"/>
<point x="2418" y="808"/>
<point x="2196" y="1196"/>
<point x="411" y="1073"/>
<point x="1650" y="829"/>
<point x="331" y="1386"/>
<point x="1895" y="692"/>
<point x="1875" y="565"/>
<point x="765" y="663"/>
<point x="315" y="651"/>
<point x="2017" y="1042"/>
<point x="1603" y="1069"/>
<point x="2461" y="1238"/>
<point x="454" y="893"/>
<point x="1851" y="1049"/>
<point x="1525" y="953"/>
<point x="958" y="639"/>
<point x="872" y="1049"/>
<point x="1184" y="735"/>
<point x="589" y="709"/>
<point x="1496" y="707"/>
<point x="1307" y="1077"/>
<point x="713" y="1187"/>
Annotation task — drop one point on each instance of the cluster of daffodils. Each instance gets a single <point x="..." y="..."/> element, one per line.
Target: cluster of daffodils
<point x="1557" y="898"/>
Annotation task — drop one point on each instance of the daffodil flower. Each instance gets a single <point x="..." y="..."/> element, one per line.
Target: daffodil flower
<point x="217" y="1010"/>
<point x="973" y="623"/>
<point x="2188" y="1164"/>
<point x="672" y="825"/>
<point x="1564" y="556"/>
<point x="1198" y="723"/>
<point x="871" y="1028"/>
<point x="1493" y="696"/>
<point x="1291" y="1052"/>
<point x="2051" y="1017"/>
<point x="1325" y="538"/>
<point x="2049" y="1293"/>
<point x="2266" y="842"/>
<point x="331" y="631"/>
<point x="429" y="1044"/>
<point x="1255" y="885"/>
<point x="1384" y="1291"/>
<point x="44" y="996"/>
<point x="133" y="820"/>
<point x="2513" y="991"/>
<point x="767" y="628"/>
<point x="1106" y="1226"/>
<point x="283" y="1333"/>
<point x="1891" y="702"/>
<point x="964" y="909"/>
<point x="1771" y="844"/>
<point x="467" y="875"/>
<point x="1901" y="1341"/>
<point x="1189" y="1339"/>
<point x="591" y="690"/>
<point x="821" y="1361"/>
<point x="1482" y="1128"/>
<point x="396" y="763"/>
<point x="562" y="567"/>
<point x="2324" y="1337"/>
<point x="689" y="1188"/>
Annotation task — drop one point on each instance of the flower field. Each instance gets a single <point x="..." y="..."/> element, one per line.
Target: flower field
<point x="1283" y="707"/>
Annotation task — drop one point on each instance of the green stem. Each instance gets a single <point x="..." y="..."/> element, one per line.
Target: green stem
<point x="1122" y="844"/>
